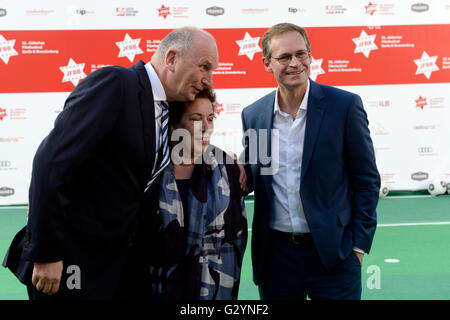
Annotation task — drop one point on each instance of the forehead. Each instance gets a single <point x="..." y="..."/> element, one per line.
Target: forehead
<point x="199" y="105"/>
<point x="204" y="49"/>
<point x="289" y="41"/>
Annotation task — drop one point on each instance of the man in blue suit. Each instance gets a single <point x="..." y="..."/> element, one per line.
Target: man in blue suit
<point x="315" y="200"/>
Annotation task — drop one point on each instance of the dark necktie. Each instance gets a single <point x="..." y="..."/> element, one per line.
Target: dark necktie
<point x="163" y="154"/>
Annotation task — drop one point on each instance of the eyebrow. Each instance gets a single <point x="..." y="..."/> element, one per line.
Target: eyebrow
<point x="199" y="114"/>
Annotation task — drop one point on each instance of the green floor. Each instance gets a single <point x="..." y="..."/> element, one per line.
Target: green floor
<point x="414" y="231"/>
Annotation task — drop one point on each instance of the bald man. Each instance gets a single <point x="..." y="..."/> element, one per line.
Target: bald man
<point x="91" y="197"/>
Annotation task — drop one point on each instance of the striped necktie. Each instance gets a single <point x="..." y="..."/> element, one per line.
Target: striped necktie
<point x="162" y="156"/>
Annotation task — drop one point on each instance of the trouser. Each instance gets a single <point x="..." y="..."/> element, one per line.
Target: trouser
<point x="293" y="272"/>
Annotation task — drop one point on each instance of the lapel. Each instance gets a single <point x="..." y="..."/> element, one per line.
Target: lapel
<point x="146" y="105"/>
<point x="314" y="114"/>
<point x="265" y="121"/>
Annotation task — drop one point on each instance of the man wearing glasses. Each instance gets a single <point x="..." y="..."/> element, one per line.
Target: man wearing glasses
<point x="315" y="215"/>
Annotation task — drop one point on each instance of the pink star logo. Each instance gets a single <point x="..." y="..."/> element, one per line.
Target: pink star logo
<point x="2" y="113"/>
<point x="163" y="11"/>
<point x="371" y="8"/>
<point x="421" y="102"/>
<point x="219" y="108"/>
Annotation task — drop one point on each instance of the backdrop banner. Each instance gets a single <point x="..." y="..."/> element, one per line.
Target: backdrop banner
<point x="394" y="54"/>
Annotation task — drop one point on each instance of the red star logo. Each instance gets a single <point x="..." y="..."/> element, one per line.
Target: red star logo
<point x="421" y="102"/>
<point x="2" y="113"/>
<point x="219" y="108"/>
<point x="371" y="8"/>
<point x="163" y="11"/>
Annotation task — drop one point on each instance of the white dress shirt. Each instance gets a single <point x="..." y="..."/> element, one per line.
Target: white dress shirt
<point x="158" y="95"/>
<point x="287" y="210"/>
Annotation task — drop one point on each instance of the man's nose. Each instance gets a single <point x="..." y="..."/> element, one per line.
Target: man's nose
<point x="294" y="61"/>
<point x="207" y="80"/>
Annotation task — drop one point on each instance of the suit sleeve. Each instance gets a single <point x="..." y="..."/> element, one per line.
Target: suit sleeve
<point x="89" y="114"/>
<point x="245" y="156"/>
<point x="363" y="175"/>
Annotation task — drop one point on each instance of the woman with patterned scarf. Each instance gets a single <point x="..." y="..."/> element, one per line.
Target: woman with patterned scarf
<point x="202" y="221"/>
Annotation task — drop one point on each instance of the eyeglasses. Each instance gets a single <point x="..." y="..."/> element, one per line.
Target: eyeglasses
<point x="286" y="58"/>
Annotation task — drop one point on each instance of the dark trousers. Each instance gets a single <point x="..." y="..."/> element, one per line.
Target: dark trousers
<point x="133" y="284"/>
<point x="294" y="271"/>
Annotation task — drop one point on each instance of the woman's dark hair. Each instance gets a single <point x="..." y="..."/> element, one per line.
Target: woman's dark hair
<point x="176" y="108"/>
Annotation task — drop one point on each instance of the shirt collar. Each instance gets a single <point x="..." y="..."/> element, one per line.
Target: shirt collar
<point x="303" y="104"/>
<point x="157" y="88"/>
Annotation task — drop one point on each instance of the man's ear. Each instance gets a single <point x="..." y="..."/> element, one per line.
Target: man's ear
<point x="267" y="65"/>
<point x="171" y="59"/>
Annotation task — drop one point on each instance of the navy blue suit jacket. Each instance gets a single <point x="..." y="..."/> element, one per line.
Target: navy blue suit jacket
<point x="87" y="188"/>
<point x="339" y="183"/>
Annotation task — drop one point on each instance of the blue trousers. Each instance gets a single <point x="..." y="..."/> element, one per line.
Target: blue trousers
<point x="293" y="272"/>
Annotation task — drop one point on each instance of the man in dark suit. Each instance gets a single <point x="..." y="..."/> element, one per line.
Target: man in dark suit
<point x="315" y="200"/>
<point x="91" y="196"/>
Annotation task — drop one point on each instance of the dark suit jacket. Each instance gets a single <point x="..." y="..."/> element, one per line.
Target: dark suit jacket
<point x="89" y="174"/>
<point x="339" y="179"/>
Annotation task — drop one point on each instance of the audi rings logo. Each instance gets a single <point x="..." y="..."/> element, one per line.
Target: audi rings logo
<point x="5" y="164"/>
<point x="419" y="176"/>
<point x="2" y="12"/>
<point x="425" y="149"/>
<point x="6" y="191"/>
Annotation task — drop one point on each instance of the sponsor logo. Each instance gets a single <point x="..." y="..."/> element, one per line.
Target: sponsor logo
<point x="11" y="139"/>
<point x="82" y="12"/>
<point x="316" y="68"/>
<point x="430" y="102"/>
<point x="7" y="49"/>
<point x="365" y="43"/>
<point x="371" y="8"/>
<point x="129" y="47"/>
<point x="426" y="127"/>
<point x="3" y="113"/>
<point x="296" y="10"/>
<point x="219" y="108"/>
<point x="421" y="102"/>
<point x="13" y="113"/>
<point x="73" y="72"/>
<point x="6" y="191"/>
<point x="163" y="11"/>
<point x="425" y="149"/>
<point x="380" y="9"/>
<point x="419" y="176"/>
<point x="420" y="7"/>
<point x="39" y="12"/>
<point x="379" y="104"/>
<point x="5" y="164"/>
<point x="255" y="10"/>
<point x="126" y="12"/>
<point x="426" y="65"/>
<point x="335" y="9"/>
<point x="215" y="11"/>
<point x="2" y="12"/>
<point x="248" y="46"/>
